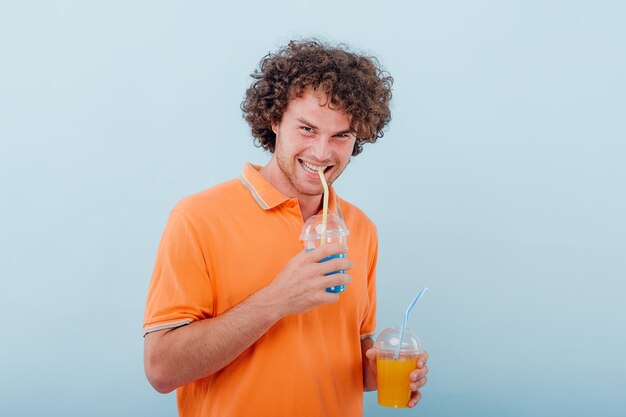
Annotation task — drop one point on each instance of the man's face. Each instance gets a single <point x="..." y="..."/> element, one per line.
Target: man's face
<point x="311" y="135"/>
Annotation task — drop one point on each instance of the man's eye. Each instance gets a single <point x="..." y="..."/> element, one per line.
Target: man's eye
<point x="306" y="129"/>
<point x="344" y="135"/>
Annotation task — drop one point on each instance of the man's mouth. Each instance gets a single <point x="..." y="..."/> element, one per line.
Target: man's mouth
<point x="312" y="168"/>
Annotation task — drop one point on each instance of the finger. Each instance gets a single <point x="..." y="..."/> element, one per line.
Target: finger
<point x="422" y="358"/>
<point x="419" y="374"/>
<point x="371" y="354"/>
<point x="329" y="297"/>
<point x="418" y="384"/>
<point x="327" y="250"/>
<point x="335" y="264"/>
<point x="416" y="396"/>
<point x="336" y="279"/>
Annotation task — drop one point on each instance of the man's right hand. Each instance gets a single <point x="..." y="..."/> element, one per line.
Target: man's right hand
<point x="175" y="357"/>
<point x="301" y="284"/>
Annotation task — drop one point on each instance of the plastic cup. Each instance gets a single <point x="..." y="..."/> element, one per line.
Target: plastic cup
<point x="313" y="235"/>
<point x="393" y="374"/>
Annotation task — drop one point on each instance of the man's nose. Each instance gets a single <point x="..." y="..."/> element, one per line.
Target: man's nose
<point x="321" y="149"/>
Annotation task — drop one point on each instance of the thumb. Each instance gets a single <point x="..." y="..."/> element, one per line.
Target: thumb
<point x="371" y="354"/>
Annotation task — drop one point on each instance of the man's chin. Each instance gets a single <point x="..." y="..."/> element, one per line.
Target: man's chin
<point x="310" y="187"/>
<point x="312" y="193"/>
<point x="310" y="190"/>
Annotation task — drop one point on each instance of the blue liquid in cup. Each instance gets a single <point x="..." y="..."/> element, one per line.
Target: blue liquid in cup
<point x="336" y="288"/>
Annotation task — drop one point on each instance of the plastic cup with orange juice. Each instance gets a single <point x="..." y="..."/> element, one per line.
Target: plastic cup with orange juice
<point x="395" y="360"/>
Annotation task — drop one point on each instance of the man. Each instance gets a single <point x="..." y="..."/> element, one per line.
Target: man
<point x="238" y="319"/>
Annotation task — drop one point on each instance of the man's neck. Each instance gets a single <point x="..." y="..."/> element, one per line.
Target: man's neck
<point x="310" y="208"/>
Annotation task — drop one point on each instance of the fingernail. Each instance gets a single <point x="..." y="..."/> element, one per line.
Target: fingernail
<point x="420" y="364"/>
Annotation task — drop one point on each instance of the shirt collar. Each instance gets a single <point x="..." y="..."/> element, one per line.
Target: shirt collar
<point x="267" y="196"/>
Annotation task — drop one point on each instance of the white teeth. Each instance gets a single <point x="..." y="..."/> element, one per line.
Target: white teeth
<point x="311" y="168"/>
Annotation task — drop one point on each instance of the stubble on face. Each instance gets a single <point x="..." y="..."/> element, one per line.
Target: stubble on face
<point x="309" y="135"/>
<point x="288" y="166"/>
<point x="312" y="134"/>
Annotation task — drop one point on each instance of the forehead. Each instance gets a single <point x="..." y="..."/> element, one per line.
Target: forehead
<point x="315" y="107"/>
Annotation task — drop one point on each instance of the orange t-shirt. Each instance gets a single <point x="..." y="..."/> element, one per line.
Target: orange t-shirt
<point x="225" y="243"/>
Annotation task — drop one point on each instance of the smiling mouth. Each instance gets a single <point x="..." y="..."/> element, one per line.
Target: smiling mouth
<point x="311" y="168"/>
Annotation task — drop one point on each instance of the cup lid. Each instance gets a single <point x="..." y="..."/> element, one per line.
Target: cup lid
<point x="313" y="228"/>
<point x="389" y="340"/>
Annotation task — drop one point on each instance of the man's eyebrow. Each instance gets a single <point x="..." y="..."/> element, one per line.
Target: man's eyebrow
<point x="305" y="122"/>
<point x="345" y="132"/>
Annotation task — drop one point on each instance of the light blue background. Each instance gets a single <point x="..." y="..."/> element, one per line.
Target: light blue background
<point x="500" y="185"/>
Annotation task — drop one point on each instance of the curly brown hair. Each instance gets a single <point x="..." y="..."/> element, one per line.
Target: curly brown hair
<point x="352" y="83"/>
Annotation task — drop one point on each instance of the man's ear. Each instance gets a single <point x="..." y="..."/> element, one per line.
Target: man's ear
<point x="275" y="128"/>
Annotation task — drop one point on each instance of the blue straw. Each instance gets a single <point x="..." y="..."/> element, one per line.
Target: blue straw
<point x="406" y="316"/>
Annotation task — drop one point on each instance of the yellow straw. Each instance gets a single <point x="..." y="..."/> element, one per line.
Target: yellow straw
<point x="320" y="171"/>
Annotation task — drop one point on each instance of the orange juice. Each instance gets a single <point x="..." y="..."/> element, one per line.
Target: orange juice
<point x="393" y="381"/>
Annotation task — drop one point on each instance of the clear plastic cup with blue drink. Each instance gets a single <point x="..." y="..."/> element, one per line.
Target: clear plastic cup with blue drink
<point x="313" y="235"/>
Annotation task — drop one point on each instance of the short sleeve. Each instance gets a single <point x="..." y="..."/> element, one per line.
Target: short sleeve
<point x="180" y="289"/>
<point x="368" y="325"/>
